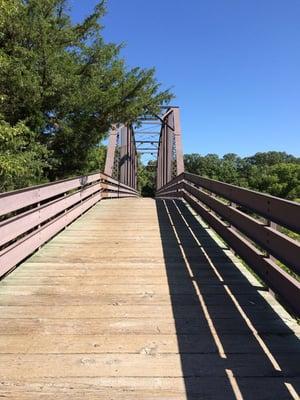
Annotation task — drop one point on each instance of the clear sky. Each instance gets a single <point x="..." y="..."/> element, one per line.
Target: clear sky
<point x="234" y="66"/>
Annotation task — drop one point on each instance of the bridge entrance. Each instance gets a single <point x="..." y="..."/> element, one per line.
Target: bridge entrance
<point x="158" y="136"/>
<point x="105" y="294"/>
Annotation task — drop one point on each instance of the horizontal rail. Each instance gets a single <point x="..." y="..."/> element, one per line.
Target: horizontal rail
<point x="249" y="237"/>
<point x="15" y="253"/>
<point x="280" y="246"/>
<point x="12" y="201"/>
<point x="283" y="212"/>
<point x="32" y="216"/>
<point x="111" y="186"/>
<point x="275" y="277"/>
<point x="16" y="226"/>
<point x="172" y="184"/>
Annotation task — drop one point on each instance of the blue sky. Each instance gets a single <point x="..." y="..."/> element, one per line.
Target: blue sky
<point x="234" y="66"/>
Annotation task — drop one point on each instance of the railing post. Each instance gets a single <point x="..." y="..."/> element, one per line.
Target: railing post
<point x="272" y="225"/>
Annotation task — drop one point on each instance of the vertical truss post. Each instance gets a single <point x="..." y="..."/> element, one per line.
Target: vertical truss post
<point x="178" y="141"/>
<point x="111" y="150"/>
<point x="170" y="154"/>
<point x="123" y="155"/>
<point x="170" y="144"/>
<point x="121" y="158"/>
<point x="128" y="157"/>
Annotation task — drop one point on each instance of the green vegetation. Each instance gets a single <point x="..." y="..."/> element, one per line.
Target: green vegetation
<point x="22" y="158"/>
<point x="146" y="179"/>
<point x="276" y="173"/>
<point x="61" y="88"/>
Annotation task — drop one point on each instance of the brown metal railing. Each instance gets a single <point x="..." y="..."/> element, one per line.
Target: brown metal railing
<point x="243" y="218"/>
<point x="30" y="217"/>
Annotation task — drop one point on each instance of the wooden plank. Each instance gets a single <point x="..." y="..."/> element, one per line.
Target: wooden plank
<point x="140" y="344"/>
<point x="144" y="298"/>
<point x="142" y="388"/>
<point x="138" y="365"/>
<point x="111" y="309"/>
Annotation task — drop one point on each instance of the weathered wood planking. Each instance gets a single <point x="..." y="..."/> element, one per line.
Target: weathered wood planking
<point x="108" y="310"/>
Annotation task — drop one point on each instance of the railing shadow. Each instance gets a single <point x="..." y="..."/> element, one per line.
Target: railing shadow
<point x="232" y="344"/>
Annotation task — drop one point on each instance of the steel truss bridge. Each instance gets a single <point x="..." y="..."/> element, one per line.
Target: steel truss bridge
<point x="107" y="295"/>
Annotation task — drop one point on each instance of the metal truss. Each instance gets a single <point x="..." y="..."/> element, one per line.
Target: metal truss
<point x="155" y="135"/>
<point x="121" y="159"/>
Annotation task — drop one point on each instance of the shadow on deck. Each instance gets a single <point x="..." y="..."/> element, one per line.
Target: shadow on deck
<point x="232" y="343"/>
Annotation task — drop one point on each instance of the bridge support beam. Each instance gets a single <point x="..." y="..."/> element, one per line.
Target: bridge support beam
<point x="121" y="159"/>
<point x="170" y="154"/>
<point x="111" y="150"/>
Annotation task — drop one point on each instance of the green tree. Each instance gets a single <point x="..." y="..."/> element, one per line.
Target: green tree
<point x="207" y="166"/>
<point x="22" y="159"/>
<point x="96" y="159"/>
<point x="282" y="180"/>
<point x="271" y="158"/>
<point x="65" y="83"/>
<point x="272" y="172"/>
<point x="146" y="178"/>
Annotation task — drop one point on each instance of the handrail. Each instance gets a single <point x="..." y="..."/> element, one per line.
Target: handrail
<point x="228" y="208"/>
<point x="31" y="216"/>
<point x="112" y="188"/>
<point x="283" y="212"/>
<point x="12" y="201"/>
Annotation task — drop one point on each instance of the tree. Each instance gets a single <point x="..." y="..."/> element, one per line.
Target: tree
<point x="207" y="166"/>
<point x="96" y="159"/>
<point x="282" y="180"/>
<point x="272" y="172"/>
<point x="65" y="83"/>
<point x="146" y="178"/>
<point x="271" y="158"/>
<point x="22" y="159"/>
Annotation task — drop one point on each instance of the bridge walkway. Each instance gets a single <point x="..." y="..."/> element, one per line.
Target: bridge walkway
<point x="139" y="299"/>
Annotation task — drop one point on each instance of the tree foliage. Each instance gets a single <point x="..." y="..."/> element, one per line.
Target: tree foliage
<point x="146" y="178"/>
<point x="277" y="173"/>
<point x="63" y="82"/>
<point x="22" y="158"/>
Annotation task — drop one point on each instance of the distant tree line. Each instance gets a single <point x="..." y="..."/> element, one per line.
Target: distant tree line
<point x="276" y="173"/>
<point x="61" y="89"/>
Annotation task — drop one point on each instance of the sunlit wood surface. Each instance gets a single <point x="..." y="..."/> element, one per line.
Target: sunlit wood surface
<point x="139" y="300"/>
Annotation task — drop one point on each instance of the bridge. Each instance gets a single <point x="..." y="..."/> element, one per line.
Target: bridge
<point x="107" y="295"/>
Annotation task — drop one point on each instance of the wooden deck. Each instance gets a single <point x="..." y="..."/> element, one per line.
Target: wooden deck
<point x="139" y="300"/>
